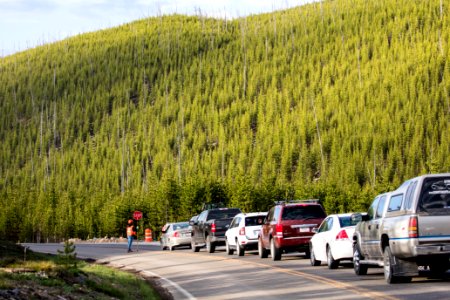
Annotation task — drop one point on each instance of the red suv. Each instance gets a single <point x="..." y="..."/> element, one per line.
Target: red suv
<point x="288" y="227"/>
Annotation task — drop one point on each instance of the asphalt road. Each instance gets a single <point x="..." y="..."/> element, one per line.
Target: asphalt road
<point x="189" y="275"/>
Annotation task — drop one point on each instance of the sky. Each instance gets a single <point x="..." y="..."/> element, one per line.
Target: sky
<point x="28" y="23"/>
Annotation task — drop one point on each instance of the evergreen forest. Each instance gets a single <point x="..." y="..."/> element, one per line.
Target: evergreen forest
<point x="335" y="100"/>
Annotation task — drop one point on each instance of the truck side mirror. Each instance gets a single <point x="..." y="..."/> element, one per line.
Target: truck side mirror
<point x="356" y="218"/>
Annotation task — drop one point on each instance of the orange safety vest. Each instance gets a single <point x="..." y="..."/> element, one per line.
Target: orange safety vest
<point x="130" y="231"/>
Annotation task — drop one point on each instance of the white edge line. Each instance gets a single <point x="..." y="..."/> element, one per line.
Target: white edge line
<point x="170" y="282"/>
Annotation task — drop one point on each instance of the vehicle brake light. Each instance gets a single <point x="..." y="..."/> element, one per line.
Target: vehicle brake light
<point x="213" y="227"/>
<point x="242" y="231"/>
<point x="279" y="230"/>
<point x="412" y="228"/>
<point x="176" y="234"/>
<point x="342" y="235"/>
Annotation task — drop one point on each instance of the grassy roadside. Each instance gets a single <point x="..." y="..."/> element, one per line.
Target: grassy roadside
<point x="29" y="275"/>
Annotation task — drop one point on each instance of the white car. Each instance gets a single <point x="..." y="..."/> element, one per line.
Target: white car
<point x="333" y="241"/>
<point x="243" y="232"/>
<point x="175" y="235"/>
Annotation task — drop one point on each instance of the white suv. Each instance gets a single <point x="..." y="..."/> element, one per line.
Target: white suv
<point x="243" y="232"/>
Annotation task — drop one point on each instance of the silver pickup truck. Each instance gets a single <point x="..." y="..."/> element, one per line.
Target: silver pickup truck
<point x="405" y="229"/>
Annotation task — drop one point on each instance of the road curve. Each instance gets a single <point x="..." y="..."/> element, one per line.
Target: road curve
<point x="189" y="275"/>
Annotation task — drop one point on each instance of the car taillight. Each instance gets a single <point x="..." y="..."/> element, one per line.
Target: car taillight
<point x="213" y="227"/>
<point x="176" y="234"/>
<point x="242" y="231"/>
<point x="412" y="228"/>
<point x="279" y="230"/>
<point x="342" y="235"/>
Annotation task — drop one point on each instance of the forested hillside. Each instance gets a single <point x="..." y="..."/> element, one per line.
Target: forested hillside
<point x="337" y="101"/>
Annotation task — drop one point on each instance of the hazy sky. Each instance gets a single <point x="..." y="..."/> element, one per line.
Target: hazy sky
<point x="27" y="23"/>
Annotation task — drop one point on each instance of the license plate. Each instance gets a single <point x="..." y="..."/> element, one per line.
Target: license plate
<point x="304" y="229"/>
<point x="256" y="232"/>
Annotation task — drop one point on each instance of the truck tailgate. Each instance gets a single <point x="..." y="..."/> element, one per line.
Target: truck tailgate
<point x="434" y="229"/>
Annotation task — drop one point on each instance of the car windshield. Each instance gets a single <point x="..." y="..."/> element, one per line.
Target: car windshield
<point x="435" y="196"/>
<point x="347" y="221"/>
<point x="299" y="212"/>
<point x="254" y="221"/>
<point x="223" y="213"/>
<point x="179" y="226"/>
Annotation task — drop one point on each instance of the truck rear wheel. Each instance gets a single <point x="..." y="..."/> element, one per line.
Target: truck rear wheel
<point x="389" y="269"/>
<point x="210" y="247"/>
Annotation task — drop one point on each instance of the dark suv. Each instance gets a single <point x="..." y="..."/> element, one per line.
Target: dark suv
<point x="288" y="227"/>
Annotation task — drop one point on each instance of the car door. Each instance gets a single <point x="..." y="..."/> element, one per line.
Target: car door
<point x="164" y="235"/>
<point x="365" y="226"/>
<point x="266" y="228"/>
<point x="233" y="231"/>
<point x="320" y="239"/>
<point x="374" y="246"/>
<point x="197" y="233"/>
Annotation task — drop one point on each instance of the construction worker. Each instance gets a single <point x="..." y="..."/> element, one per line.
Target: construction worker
<point x="131" y="233"/>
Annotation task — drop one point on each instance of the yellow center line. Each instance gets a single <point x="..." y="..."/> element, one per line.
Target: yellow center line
<point x="334" y="283"/>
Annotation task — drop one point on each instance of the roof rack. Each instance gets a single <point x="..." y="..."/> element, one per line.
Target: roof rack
<point x="311" y="201"/>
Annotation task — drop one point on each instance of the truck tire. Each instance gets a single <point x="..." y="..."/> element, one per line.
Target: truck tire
<point x="263" y="253"/>
<point x="210" y="247"/>
<point x="357" y="257"/>
<point x="331" y="262"/>
<point x="389" y="275"/>
<point x="312" y="257"/>
<point x="228" y="250"/>
<point x="275" y="252"/>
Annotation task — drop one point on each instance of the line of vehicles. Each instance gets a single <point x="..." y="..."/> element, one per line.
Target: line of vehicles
<point x="403" y="231"/>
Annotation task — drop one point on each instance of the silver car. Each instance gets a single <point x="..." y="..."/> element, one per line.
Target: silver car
<point x="175" y="235"/>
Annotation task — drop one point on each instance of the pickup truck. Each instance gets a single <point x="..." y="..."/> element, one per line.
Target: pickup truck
<point x="406" y="229"/>
<point x="210" y="226"/>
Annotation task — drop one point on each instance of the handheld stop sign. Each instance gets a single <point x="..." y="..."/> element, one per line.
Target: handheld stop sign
<point x="137" y="215"/>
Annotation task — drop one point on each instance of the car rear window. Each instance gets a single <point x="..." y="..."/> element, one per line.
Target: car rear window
<point x="180" y="226"/>
<point x="223" y="213"/>
<point x="435" y="196"/>
<point x="347" y="221"/>
<point x="254" y="221"/>
<point x="299" y="212"/>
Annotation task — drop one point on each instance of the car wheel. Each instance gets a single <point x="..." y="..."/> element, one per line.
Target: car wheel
<point x="389" y="269"/>
<point x="239" y="249"/>
<point x="171" y="248"/>
<point x="228" y="249"/>
<point x="357" y="257"/>
<point x="210" y="247"/>
<point x="332" y="263"/>
<point x="194" y="248"/>
<point x="307" y="253"/>
<point x="275" y="252"/>
<point x="163" y="247"/>
<point x="263" y="253"/>
<point x="312" y="257"/>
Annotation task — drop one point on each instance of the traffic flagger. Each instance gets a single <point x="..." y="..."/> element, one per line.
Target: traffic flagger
<point x="131" y="233"/>
<point x="148" y="235"/>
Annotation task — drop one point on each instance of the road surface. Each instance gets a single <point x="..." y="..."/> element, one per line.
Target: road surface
<point x="189" y="275"/>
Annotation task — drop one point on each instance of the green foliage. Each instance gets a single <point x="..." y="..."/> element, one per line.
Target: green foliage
<point x="337" y="100"/>
<point x="68" y="256"/>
